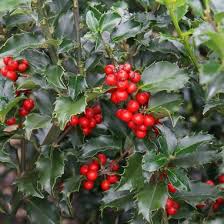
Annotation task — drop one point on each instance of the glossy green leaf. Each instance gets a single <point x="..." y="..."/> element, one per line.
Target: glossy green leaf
<point x="163" y="76"/>
<point x="6" y="5"/>
<point x="109" y="21"/>
<point x="42" y="211"/>
<point x="101" y="143"/>
<point x="36" y="121"/>
<point x="50" y="168"/>
<point x="19" y="42"/>
<point x="65" y="107"/>
<point x="6" y="109"/>
<point x="132" y="177"/>
<point x="54" y="74"/>
<point x="152" y="197"/>
<point x="91" y="21"/>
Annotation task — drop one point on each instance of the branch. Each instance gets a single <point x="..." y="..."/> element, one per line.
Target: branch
<point x="183" y="37"/>
<point x="23" y="155"/>
<point x="77" y="36"/>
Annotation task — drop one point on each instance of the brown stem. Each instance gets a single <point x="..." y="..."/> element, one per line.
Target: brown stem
<point x="23" y="155"/>
<point x="64" y="133"/>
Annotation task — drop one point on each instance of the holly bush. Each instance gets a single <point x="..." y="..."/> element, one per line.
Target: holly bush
<point x="111" y="111"/>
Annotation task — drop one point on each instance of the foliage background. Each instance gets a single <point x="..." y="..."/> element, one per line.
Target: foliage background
<point x="178" y="47"/>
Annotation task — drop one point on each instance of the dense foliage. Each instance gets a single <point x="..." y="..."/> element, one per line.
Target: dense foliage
<point x="111" y="111"/>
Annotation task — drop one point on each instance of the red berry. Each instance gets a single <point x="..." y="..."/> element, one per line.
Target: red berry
<point x="94" y="166"/>
<point x="149" y="120"/>
<point x="215" y="206"/>
<point x="88" y="185"/>
<point x="74" y="121"/>
<point x="92" y="123"/>
<point x="140" y="134"/>
<point x="97" y="109"/>
<point x="11" y="121"/>
<point x="24" y="61"/>
<point x="169" y="203"/>
<point x="23" y="112"/>
<point x="114" y="166"/>
<point x="210" y="182"/>
<point x="92" y="175"/>
<point x="119" y="112"/>
<point x="109" y="69"/>
<point x="135" y="77"/>
<point x="131" y="125"/>
<point x="133" y="106"/>
<point x="111" y="80"/>
<point x="171" y="211"/>
<point x="142" y="127"/>
<point x="132" y="88"/>
<point x="126" y="115"/>
<point x="83" y="122"/>
<point x="112" y="179"/>
<point x="143" y="98"/>
<point x="127" y="67"/>
<point x="171" y="188"/>
<point x="220" y="200"/>
<point x="200" y="206"/>
<point x="138" y="119"/>
<point x="86" y="131"/>
<point x="12" y="75"/>
<point x="221" y="179"/>
<point x="7" y="59"/>
<point x="105" y="185"/>
<point x="13" y="65"/>
<point x="102" y="157"/>
<point x="22" y="67"/>
<point x="122" y="84"/>
<point x="121" y="95"/>
<point x="28" y="104"/>
<point x="122" y="75"/>
<point x="4" y="71"/>
<point x="84" y="169"/>
<point x="89" y="113"/>
<point x="98" y="118"/>
<point x="114" y="98"/>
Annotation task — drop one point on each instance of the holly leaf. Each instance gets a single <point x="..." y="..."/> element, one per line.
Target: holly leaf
<point x="189" y="144"/>
<point x="36" y="121"/>
<point x="65" y="107"/>
<point x="91" y="21"/>
<point x="28" y="185"/>
<point x="132" y="177"/>
<point x="50" y="168"/>
<point x="163" y="76"/>
<point x="7" y="108"/>
<point x="6" y="5"/>
<point x="214" y="105"/>
<point x="179" y="179"/>
<point x="152" y="162"/>
<point x="151" y="198"/>
<point x="19" y="42"/>
<point x="54" y="74"/>
<point x="42" y="211"/>
<point x="109" y="21"/>
<point x="101" y="143"/>
<point x="71" y="185"/>
<point x="126" y="30"/>
<point x="77" y="84"/>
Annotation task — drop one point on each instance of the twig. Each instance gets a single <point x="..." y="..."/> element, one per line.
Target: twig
<point x="23" y="155"/>
<point x="77" y="36"/>
<point x="64" y="133"/>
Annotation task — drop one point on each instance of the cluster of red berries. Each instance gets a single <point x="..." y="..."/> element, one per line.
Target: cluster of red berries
<point x="92" y="116"/>
<point x="100" y="167"/>
<point x="219" y="201"/>
<point x="123" y="79"/>
<point x="172" y="207"/>
<point x="24" y="110"/>
<point x="12" y="67"/>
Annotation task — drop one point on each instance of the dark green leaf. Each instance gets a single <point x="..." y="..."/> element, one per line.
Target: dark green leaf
<point x="91" y="21"/>
<point x="152" y="197"/>
<point x="109" y="21"/>
<point x="50" y="168"/>
<point x="163" y="76"/>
